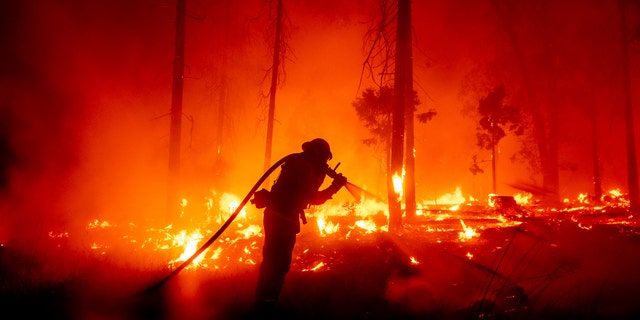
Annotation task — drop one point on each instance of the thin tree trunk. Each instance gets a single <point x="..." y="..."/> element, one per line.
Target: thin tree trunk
<point x="597" y="184"/>
<point x="222" y="103"/>
<point x="494" y="179"/>
<point x="272" y="92"/>
<point x="632" y="166"/>
<point x="176" y="114"/>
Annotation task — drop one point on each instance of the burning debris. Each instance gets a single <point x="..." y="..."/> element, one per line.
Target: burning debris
<point x="461" y="257"/>
<point x="450" y="219"/>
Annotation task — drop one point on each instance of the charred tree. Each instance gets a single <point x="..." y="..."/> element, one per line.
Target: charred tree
<point x="403" y="40"/>
<point x="395" y="46"/>
<point x="176" y="113"/>
<point x="378" y="62"/>
<point x="405" y="56"/>
<point x="597" y="183"/>
<point x="275" y="67"/>
<point x="632" y="166"/>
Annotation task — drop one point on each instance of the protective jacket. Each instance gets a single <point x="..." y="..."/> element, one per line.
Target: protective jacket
<point x="297" y="187"/>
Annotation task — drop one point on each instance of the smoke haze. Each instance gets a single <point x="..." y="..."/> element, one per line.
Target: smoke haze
<point x="86" y="96"/>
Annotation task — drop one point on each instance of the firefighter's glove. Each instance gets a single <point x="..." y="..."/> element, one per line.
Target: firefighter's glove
<point x="338" y="182"/>
<point x="261" y="198"/>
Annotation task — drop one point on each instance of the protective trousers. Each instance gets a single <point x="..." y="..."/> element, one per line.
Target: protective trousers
<point x="279" y="239"/>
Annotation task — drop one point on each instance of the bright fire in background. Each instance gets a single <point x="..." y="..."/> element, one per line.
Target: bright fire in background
<point x="241" y="244"/>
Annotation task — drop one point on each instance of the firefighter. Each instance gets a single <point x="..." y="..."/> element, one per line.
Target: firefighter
<point x="297" y="187"/>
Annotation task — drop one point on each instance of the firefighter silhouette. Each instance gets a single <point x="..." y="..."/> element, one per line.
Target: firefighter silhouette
<point x="297" y="187"/>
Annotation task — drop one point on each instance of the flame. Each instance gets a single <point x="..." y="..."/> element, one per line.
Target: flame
<point x="398" y="182"/>
<point x="467" y="233"/>
<point x="229" y="203"/>
<point x="250" y="231"/>
<point x="451" y="199"/>
<point x="97" y="224"/>
<point x="324" y="227"/>
<point x="523" y="199"/>
<point x="368" y="225"/>
<point x="190" y="244"/>
<point x="413" y="260"/>
<point x="370" y="207"/>
<point x="365" y="217"/>
<point x="615" y="192"/>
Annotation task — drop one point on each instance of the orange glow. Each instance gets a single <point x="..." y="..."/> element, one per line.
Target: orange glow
<point x="324" y="227"/>
<point x="368" y="225"/>
<point x="467" y="233"/>
<point x="317" y="267"/>
<point x="398" y="182"/>
<point x="241" y="244"/>
<point x="523" y="199"/>
<point x="190" y="245"/>
<point x="250" y="231"/>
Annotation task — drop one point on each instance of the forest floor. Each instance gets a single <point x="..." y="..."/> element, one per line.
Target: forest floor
<point x="554" y="266"/>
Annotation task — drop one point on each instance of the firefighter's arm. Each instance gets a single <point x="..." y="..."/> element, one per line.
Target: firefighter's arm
<point x="322" y="196"/>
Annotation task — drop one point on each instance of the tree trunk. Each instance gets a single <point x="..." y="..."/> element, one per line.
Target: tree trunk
<point x="272" y="91"/>
<point x="597" y="184"/>
<point x="494" y="179"/>
<point x="176" y="114"/>
<point x="403" y="33"/>
<point x="223" y="95"/>
<point x="410" y="163"/>
<point x="632" y="166"/>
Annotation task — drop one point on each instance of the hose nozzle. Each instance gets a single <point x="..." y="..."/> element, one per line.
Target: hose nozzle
<point x="332" y="172"/>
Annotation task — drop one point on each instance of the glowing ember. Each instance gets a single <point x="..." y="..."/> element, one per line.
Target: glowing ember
<point x="97" y="224"/>
<point x="317" y="267"/>
<point x="467" y="232"/>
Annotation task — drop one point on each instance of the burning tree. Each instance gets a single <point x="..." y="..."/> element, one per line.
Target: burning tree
<point x="395" y="44"/>
<point x="495" y="117"/>
<point x="375" y="109"/>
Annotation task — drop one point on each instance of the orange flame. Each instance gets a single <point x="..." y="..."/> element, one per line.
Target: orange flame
<point x="324" y="227"/>
<point x="190" y="244"/>
<point x="467" y="234"/>
<point x="398" y="181"/>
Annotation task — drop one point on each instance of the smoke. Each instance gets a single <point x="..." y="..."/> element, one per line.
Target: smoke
<point x="87" y="89"/>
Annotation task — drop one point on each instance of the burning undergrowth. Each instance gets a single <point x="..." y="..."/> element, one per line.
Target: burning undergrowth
<point x="450" y="261"/>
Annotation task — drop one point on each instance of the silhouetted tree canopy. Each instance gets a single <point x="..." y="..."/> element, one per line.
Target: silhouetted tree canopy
<point x="374" y="108"/>
<point x="496" y="118"/>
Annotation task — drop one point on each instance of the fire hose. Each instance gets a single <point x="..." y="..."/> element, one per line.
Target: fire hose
<point x="224" y="226"/>
<point x="330" y="172"/>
